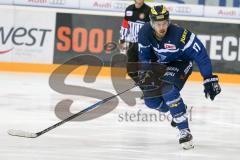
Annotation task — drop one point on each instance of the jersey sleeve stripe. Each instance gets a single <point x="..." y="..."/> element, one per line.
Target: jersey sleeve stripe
<point x="189" y="43"/>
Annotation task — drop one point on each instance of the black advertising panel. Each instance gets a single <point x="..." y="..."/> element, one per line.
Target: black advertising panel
<point x="88" y="34"/>
<point x="222" y="42"/>
<point x="85" y="34"/>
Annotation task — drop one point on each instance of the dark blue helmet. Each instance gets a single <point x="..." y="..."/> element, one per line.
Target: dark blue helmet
<point x="159" y="13"/>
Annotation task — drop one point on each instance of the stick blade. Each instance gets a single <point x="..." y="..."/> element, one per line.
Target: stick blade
<point x="20" y="133"/>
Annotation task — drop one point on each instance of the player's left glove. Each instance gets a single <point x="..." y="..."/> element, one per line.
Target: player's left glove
<point x="211" y="87"/>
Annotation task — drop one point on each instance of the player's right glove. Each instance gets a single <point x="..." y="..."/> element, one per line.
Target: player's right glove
<point x="146" y="79"/>
<point x="211" y="87"/>
<point x="149" y="81"/>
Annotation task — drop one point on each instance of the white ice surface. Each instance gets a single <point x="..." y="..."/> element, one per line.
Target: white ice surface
<point x="27" y="103"/>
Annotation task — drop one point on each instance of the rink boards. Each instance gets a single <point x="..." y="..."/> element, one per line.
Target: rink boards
<point x="51" y="37"/>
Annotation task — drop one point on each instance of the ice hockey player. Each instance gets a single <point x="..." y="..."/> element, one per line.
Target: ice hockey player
<point x="176" y="48"/>
<point x="136" y="15"/>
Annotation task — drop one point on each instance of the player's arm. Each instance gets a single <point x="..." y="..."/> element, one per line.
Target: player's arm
<point x="194" y="49"/>
<point x="145" y="52"/>
<point x="145" y="55"/>
<point x="124" y="31"/>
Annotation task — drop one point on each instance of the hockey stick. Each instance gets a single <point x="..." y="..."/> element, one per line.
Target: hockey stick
<point x="26" y="134"/>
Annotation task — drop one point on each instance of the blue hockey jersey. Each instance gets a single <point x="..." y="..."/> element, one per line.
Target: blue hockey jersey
<point x="178" y="44"/>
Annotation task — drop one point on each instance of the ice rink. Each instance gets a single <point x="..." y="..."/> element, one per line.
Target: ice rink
<point x="27" y="102"/>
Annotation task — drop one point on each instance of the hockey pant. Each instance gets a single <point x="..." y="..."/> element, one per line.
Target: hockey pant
<point x="170" y="99"/>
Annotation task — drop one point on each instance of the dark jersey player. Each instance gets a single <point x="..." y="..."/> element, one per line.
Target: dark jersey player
<point x="136" y="15"/>
<point x="175" y="48"/>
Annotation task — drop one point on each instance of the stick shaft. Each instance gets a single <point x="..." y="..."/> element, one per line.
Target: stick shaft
<point x="82" y="112"/>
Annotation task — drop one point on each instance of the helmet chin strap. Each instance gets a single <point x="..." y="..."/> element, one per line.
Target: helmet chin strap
<point x="151" y="23"/>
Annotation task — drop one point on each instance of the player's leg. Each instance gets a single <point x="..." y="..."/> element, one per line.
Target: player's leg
<point x="152" y="91"/>
<point x="178" y="73"/>
<point x="156" y="103"/>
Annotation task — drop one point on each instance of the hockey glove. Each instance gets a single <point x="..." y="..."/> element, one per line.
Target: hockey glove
<point x="211" y="87"/>
<point x="144" y="76"/>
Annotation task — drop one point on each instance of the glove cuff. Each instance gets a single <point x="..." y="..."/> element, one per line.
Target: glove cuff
<point x="213" y="78"/>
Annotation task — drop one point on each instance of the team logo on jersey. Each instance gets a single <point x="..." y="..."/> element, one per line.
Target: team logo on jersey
<point x="141" y="16"/>
<point x="169" y="46"/>
<point x="129" y="13"/>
